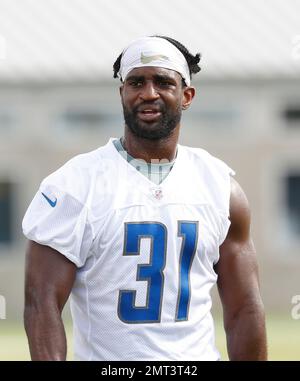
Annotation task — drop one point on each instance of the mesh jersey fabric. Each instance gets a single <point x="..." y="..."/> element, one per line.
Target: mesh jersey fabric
<point x="100" y="199"/>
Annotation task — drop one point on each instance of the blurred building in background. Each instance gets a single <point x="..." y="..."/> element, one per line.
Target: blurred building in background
<point x="58" y="99"/>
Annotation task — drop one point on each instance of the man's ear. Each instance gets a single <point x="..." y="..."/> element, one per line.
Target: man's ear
<point x="121" y="89"/>
<point x="188" y="95"/>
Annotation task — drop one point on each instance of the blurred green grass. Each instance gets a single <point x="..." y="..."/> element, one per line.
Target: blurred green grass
<point x="283" y="339"/>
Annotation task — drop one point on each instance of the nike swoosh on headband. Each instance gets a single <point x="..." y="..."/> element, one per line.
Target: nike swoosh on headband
<point x="52" y="203"/>
<point x="147" y="59"/>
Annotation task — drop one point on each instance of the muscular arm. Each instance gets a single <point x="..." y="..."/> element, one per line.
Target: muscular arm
<point x="238" y="285"/>
<point x="48" y="283"/>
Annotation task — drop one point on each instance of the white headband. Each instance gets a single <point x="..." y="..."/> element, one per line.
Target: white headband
<point x="154" y="51"/>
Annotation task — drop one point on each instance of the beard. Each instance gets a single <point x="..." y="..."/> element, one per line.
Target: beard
<point x="160" y="129"/>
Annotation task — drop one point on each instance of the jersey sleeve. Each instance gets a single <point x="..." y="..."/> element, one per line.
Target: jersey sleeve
<point x="221" y="188"/>
<point x="57" y="219"/>
<point x="225" y="211"/>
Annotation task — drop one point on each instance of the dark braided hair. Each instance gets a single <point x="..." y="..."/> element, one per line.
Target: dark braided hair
<point x="191" y="60"/>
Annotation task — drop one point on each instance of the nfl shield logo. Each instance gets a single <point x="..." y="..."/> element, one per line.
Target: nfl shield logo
<point x="158" y="194"/>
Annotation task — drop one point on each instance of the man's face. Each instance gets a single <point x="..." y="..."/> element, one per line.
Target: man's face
<point x="152" y="99"/>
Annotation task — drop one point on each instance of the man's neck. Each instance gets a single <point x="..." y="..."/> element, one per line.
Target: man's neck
<point x="149" y="150"/>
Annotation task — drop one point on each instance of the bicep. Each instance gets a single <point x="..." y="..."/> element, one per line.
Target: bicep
<point x="48" y="275"/>
<point x="238" y="276"/>
<point x="237" y="268"/>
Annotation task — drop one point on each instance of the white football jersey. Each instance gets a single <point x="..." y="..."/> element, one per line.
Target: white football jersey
<point x="144" y="253"/>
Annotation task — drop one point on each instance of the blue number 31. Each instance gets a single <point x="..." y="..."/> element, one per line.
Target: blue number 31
<point x="153" y="271"/>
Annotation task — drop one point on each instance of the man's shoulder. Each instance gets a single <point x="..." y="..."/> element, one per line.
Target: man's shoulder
<point x="83" y="160"/>
<point x="205" y="158"/>
<point x="77" y="174"/>
<point x="75" y="164"/>
<point x="199" y="153"/>
<point x="89" y="159"/>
